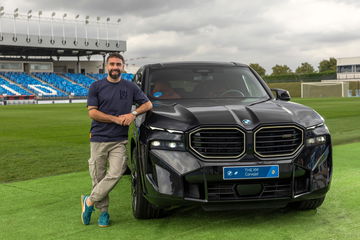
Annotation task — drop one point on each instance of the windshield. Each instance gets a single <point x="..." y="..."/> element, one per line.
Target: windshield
<point x="188" y="82"/>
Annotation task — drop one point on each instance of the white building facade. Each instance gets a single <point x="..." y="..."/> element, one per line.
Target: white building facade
<point x="348" y="68"/>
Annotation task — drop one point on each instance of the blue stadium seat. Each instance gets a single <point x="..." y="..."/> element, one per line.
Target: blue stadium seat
<point x="63" y="84"/>
<point x="98" y="76"/>
<point x="5" y="86"/>
<point x="127" y="76"/>
<point x="29" y="83"/>
<point x="79" y="86"/>
<point x="80" y="78"/>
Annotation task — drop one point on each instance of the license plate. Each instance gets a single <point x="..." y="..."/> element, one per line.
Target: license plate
<point x="251" y="172"/>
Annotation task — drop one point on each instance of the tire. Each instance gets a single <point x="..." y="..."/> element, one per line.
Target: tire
<point x="309" y="204"/>
<point x="141" y="208"/>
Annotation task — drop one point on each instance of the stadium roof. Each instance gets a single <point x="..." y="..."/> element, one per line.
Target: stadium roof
<point x="32" y="45"/>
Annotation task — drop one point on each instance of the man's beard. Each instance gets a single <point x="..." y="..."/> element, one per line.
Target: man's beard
<point x="114" y="74"/>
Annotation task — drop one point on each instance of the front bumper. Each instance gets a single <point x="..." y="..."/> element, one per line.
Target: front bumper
<point x="175" y="178"/>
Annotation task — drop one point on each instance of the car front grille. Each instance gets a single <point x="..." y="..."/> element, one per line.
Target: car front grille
<point x="218" y="142"/>
<point x="278" y="141"/>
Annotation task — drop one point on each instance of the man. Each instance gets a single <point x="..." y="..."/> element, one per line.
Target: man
<point x="109" y="105"/>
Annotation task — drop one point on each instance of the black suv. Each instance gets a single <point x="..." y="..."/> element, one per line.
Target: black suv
<point x="217" y="137"/>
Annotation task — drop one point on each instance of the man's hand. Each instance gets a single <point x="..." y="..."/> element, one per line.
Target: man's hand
<point x="125" y="119"/>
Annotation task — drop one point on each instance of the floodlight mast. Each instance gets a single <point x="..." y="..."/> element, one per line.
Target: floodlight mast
<point x="16" y="14"/>
<point x="97" y="29"/>
<point x="118" y="31"/>
<point x="76" y="21"/>
<point x="52" y="26"/>
<point x="86" y="32"/>
<point x="37" y="16"/>
<point x="107" y="31"/>
<point x="39" y="27"/>
<point x="2" y="12"/>
<point x="28" y="24"/>
<point x="63" y="27"/>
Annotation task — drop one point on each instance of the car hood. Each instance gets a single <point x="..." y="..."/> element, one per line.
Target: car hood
<point x="187" y="114"/>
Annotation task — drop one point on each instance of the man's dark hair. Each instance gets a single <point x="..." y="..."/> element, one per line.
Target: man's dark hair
<point x="115" y="55"/>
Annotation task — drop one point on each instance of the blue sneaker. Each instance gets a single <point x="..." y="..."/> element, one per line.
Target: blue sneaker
<point x="104" y="219"/>
<point x="86" y="210"/>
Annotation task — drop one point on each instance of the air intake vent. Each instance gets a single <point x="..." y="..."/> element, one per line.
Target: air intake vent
<point x="256" y="190"/>
<point x="218" y="142"/>
<point x="278" y="141"/>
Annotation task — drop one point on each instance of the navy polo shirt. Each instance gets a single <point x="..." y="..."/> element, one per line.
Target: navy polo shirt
<point x="113" y="99"/>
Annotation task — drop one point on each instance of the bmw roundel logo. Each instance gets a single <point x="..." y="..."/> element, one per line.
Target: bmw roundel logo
<point x="246" y="121"/>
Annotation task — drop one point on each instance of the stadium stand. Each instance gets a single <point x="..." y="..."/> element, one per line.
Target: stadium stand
<point x="51" y="84"/>
<point x="25" y="57"/>
<point x="29" y="83"/>
<point x="80" y="79"/>
<point x="98" y="76"/>
<point x="127" y="76"/>
<point x="62" y="84"/>
<point x="10" y="89"/>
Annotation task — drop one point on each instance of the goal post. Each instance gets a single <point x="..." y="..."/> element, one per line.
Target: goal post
<point x="324" y="89"/>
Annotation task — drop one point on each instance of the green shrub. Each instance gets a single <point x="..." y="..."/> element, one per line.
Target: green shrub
<point x="308" y="77"/>
<point x="294" y="88"/>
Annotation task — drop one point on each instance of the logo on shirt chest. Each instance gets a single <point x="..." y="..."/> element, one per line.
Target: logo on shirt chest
<point x="123" y="94"/>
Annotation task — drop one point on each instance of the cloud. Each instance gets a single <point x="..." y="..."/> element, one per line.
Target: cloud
<point x="267" y="32"/>
<point x="115" y="7"/>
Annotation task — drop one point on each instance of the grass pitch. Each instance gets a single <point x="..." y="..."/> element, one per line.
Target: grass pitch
<point x="45" y="140"/>
<point x="342" y="116"/>
<point x="42" y="140"/>
<point x="37" y="141"/>
<point x="49" y="208"/>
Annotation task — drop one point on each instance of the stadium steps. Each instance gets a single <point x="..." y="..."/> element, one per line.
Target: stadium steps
<point x="40" y="80"/>
<point x="19" y="85"/>
<point x="70" y="80"/>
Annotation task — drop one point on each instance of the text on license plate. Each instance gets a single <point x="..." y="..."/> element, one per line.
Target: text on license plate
<point x="251" y="172"/>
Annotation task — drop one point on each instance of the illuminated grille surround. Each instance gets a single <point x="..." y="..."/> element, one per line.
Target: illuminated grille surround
<point x="287" y="127"/>
<point x="209" y="157"/>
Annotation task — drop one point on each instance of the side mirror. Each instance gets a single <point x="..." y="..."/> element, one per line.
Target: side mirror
<point x="281" y="94"/>
<point x="137" y="79"/>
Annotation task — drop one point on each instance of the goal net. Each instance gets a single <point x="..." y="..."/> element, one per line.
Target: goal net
<point x="324" y="89"/>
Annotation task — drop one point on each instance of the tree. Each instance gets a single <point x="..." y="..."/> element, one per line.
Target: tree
<point x="259" y="69"/>
<point x="305" y="68"/>
<point x="327" y="65"/>
<point x="280" y="70"/>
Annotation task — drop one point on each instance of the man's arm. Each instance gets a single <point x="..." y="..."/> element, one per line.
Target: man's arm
<point x="144" y="107"/>
<point x="127" y="119"/>
<point x="99" y="116"/>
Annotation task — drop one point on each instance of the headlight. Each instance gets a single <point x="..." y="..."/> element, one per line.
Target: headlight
<point x="167" y="145"/>
<point x="166" y="130"/>
<point x="316" y="140"/>
<point x="170" y="139"/>
<point x="317" y="135"/>
<point x="155" y="143"/>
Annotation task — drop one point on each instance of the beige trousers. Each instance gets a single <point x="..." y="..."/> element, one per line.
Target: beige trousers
<point x="107" y="164"/>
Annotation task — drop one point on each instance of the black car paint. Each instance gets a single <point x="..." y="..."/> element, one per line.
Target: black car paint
<point x="166" y="176"/>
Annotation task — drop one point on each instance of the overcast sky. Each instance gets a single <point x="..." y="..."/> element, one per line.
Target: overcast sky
<point x="267" y="32"/>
